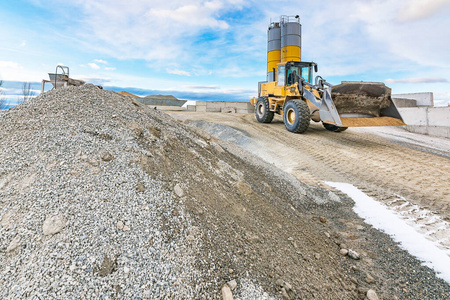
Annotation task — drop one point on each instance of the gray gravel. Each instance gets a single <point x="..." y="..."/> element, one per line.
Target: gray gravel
<point x="51" y="165"/>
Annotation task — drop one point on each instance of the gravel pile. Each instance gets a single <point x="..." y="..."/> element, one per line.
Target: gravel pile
<point x="79" y="215"/>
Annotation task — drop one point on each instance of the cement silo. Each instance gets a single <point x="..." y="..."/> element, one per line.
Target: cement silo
<point x="273" y="49"/>
<point x="291" y="41"/>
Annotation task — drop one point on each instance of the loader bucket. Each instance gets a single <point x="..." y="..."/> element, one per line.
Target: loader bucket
<point x="362" y="104"/>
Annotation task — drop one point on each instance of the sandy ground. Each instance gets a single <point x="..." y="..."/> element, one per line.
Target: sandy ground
<point x="408" y="172"/>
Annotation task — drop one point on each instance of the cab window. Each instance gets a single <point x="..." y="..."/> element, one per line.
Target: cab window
<point x="306" y="74"/>
<point x="281" y="71"/>
<point x="293" y="75"/>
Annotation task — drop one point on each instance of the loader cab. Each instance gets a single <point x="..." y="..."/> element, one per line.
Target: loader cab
<point x="291" y="71"/>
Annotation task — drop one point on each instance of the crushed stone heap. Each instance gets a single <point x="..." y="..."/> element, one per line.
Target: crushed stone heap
<point x="102" y="197"/>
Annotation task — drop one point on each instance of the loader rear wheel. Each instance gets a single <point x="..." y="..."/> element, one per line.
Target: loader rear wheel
<point x="334" y="128"/>
<point x="262" y="111"/>
<point x="296" y="116"/>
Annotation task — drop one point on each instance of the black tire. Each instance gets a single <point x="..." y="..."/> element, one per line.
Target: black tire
<point x="296" y="116"/>
<point x="334" y="128"/>
<point x="262" y="112"/>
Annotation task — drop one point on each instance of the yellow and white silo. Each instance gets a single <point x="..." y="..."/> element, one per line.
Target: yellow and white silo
<point x="291" y="40"/>
<point x="273" y="49"/>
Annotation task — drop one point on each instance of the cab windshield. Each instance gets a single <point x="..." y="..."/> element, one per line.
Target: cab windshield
<point x="297" y="70"/>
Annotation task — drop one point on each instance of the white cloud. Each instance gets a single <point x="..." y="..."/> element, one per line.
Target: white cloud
<point x="13" y="71"/>
<point x="193" y="14"/>
<point x="202" y="87"/>
<point x="417" y="80"/>
<point x="178" y="72"/>
<point x="9" y="65"/>
<point x="419" y="9"/>
<point x="158" y="30"/>
<point x="101" y="61"/>
<point x="110" y="68"/>
<point x="94" y="66"/>
<point x="421" y="42"/>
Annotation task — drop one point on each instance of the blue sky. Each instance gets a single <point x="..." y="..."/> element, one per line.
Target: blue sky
<point x="217" y="49"/>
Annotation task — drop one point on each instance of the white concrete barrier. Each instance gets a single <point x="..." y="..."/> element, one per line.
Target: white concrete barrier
<point x="414" y="115"/>
<point x="427" y="120"/>
<point x="422" y="99"/>
<point x="223" y="106"/>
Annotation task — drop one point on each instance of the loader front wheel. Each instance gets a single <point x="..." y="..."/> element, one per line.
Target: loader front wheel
<point x="296" y="116"/>
<point x="334" y="128"/>
<point x="262" y="111"/>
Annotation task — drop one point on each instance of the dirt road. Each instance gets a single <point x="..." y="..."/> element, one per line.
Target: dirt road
<point x="408" y="172"/>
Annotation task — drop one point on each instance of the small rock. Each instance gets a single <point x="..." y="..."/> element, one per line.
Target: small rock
<point x="108" y="265"/>
<point x="372" y="295"/>
<point x="288" y="287"/>
<point x="140" y="187"/>
<point x="370" y="279"/>
<point x="106" y="156"/>
<point x="126" y="270"/>
<point x="230" y="271"/>
<point x="6" y="221"/>
<point x="219" y="149"/>
<point x="120" y="225"/>
<point x="244" y="187"/>
<point x="93" y="162"/>
<point x="389" y="250"/>
<point x="146" y="294"/>
<point x="343" y="252"/>
<point x="343" y="246"/>
<point x="322" y="219"/>
<point x="53" y="224"/>
<point x="354" y="280"/>
<point x="284" y="294"/>
<point x="317" y="256"/>
<point x="232" y="284"/>
<point x="15" y="243"/>
<point x="126" y="228"/>
<point x="279" y="283"/>
<point x="353" y="254"/>
<point x="226" y="293"/>
<point x="178" y="190"/>
<point x="362" y="290"/>
<point x="327" y="235"/>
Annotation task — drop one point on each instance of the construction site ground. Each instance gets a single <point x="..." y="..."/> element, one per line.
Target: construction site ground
<point x="407" y="172"/>
<point x="103" y="197"/>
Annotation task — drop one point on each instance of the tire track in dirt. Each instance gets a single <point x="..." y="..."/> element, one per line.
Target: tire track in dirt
<point x="367" y="159"/>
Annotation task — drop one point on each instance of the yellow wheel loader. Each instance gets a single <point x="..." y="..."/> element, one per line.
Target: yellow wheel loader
<point x="299" y="100"/>
<point x="292" y="91"/>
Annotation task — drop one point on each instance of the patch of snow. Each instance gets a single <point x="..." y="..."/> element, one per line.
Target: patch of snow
<point x="382" y="218"/>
